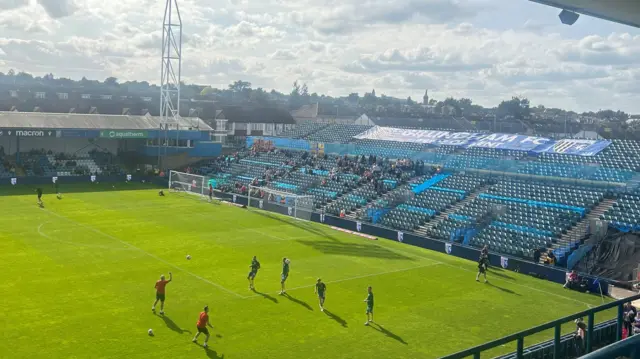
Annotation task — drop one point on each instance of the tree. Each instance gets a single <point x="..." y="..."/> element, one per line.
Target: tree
<point x="207" y="91"/>
<point x="240" y="86"/>
<point x="11" y="73"/>
<point x="304" y="90"/>
<point x="111" y="81"/>
<point x="516" y="107"/>
<point x="353" y="97"/>
<point x="432" y="102"/>
<point x="410" y="102"/>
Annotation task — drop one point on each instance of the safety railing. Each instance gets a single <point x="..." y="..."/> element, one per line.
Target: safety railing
<point x="519" y="337"/>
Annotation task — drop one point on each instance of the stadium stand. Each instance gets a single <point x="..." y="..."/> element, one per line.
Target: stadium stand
<point x="338" y="133"/>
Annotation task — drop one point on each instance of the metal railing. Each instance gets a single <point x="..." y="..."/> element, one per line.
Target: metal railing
<point x="519" y="337"/>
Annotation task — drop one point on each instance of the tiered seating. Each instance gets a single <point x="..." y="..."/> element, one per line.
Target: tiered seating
<point x="358" y="198"/>
<point x="338" y="133"/>
<point x="555" y="194"/>
<point x="495" y="153"/>
<point x="302" y="130"/>
<point x="73" y="166"/>
<point x="625" y="212"/>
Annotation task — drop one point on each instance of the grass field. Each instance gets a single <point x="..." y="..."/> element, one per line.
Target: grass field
<point x="78" y="282"/>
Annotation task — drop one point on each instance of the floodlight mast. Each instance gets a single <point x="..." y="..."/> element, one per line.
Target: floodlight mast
<point x="170" y="76"/>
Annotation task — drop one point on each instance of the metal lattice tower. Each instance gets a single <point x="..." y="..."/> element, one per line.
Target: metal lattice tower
<point x="170" y="73"/>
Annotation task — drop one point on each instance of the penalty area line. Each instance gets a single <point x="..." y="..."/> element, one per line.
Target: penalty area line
<point x="144" y="252"/>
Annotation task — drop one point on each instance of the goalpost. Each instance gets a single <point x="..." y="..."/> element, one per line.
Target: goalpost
<point x="298" y="206"/>
<point x="188" y="183"/>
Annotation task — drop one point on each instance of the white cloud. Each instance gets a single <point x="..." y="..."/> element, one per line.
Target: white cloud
<point x="465" y="48"/>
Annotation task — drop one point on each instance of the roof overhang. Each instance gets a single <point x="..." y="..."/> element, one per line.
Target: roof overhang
<point x="625" y="12"/>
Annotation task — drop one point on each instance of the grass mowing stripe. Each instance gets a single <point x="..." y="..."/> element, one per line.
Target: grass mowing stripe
<point x="145" y="252"/>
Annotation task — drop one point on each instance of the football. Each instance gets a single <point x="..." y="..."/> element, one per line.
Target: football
<point x="288" y="261"/>
<point x="188" y="257"/>
<point x="150" y="331"/>
<point x="59" y="196"/>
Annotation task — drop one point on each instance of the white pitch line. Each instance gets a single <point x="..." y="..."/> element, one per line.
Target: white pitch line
<point x="358" y="277"/>
<point x="497" y="279"/>
<point x="40" y="232"/>
<point x="145" y="252"/>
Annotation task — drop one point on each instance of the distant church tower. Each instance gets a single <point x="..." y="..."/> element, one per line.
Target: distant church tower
<point x="425" y="98"/>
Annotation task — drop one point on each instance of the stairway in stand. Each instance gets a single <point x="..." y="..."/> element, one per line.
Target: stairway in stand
<point x="580" y="229"/>
<point x="424" y="229"/>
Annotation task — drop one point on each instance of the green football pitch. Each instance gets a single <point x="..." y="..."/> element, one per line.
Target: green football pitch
<point x="78" y="282"/>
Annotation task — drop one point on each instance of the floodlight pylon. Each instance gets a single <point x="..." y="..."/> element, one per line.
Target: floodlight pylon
<point x="170" y="73"/>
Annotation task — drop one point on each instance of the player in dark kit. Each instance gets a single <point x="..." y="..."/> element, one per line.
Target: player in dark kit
<point x="369" y="301"/>
<point x="284" y="275"/>
<point x="483" y="262"/>
<point x="255" y="265"/>
<point x="321" y="290"/>
<point x="39" y="192"/>
<point x="210" y="192"/>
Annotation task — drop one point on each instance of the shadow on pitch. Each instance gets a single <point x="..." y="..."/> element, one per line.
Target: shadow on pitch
<point x="506" y="290"/>
<point x="305" y="226"/>
<point x="354" y="249"/>
<point x="386" y="332"/>
<point x="298" y="301"/>
<point x="266" y="296"/>
<point x="498" y="272"/>
<point x="172" y="325"/>
<point x="336" y="318"/>
<point x="211" y="353"/>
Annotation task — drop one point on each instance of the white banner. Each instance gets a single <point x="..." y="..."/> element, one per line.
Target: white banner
<point x="54" y="179"/>
<point x="128" y="177"/>
<point x="321" y="217"/>
<point x="14" y="181"/>
<point x="447" y="248"/>
<point x="400" y="236"/>
<point x="504" y="262"/>
<point x="261" y="203"/>
<point x="93" y="178"/>
<point x="234" y="198"/>
<point x="358" y="226"/>
<point x="290" y="211"/>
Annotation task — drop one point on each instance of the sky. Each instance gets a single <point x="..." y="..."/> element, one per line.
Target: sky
<point x="486" y="50"/>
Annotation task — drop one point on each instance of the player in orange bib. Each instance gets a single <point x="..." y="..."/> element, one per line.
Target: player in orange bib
<point x="202" y="324"/>
<point x="160" y="292"/>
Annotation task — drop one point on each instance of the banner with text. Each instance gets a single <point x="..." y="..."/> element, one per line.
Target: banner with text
<point x="506" y="141"/>
<point x="123" y="134"/>
<point x="575" y="147"/>
<point x="28" y="132"/>
<point x="494" y="140"/>
<point x="442" y="138"/>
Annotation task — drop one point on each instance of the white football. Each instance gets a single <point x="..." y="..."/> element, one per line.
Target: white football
<point x="150" y="332"/>
<point x="188" y="257"/>
<point x="288" y="261"/>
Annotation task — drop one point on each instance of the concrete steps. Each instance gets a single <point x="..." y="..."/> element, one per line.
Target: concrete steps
<point x="579" y="231"/>
<point x="424" y="229"/>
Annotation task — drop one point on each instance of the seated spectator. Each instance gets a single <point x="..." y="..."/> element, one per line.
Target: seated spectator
<point x="636" y="325"/>
<point x="572" y="280"/>
<point x="551" y="258"/>
<point x="342" y="213"/>
<point x="581" y="328"/>
<point x="629" y="318"/>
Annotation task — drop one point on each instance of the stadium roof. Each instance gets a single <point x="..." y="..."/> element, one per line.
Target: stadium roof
<point x="626" y="12"/>
<point x="93" y="122"/>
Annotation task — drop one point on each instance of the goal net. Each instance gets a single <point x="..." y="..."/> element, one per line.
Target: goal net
<point x="298" y="206"/>
<point x="188" y="183"/>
